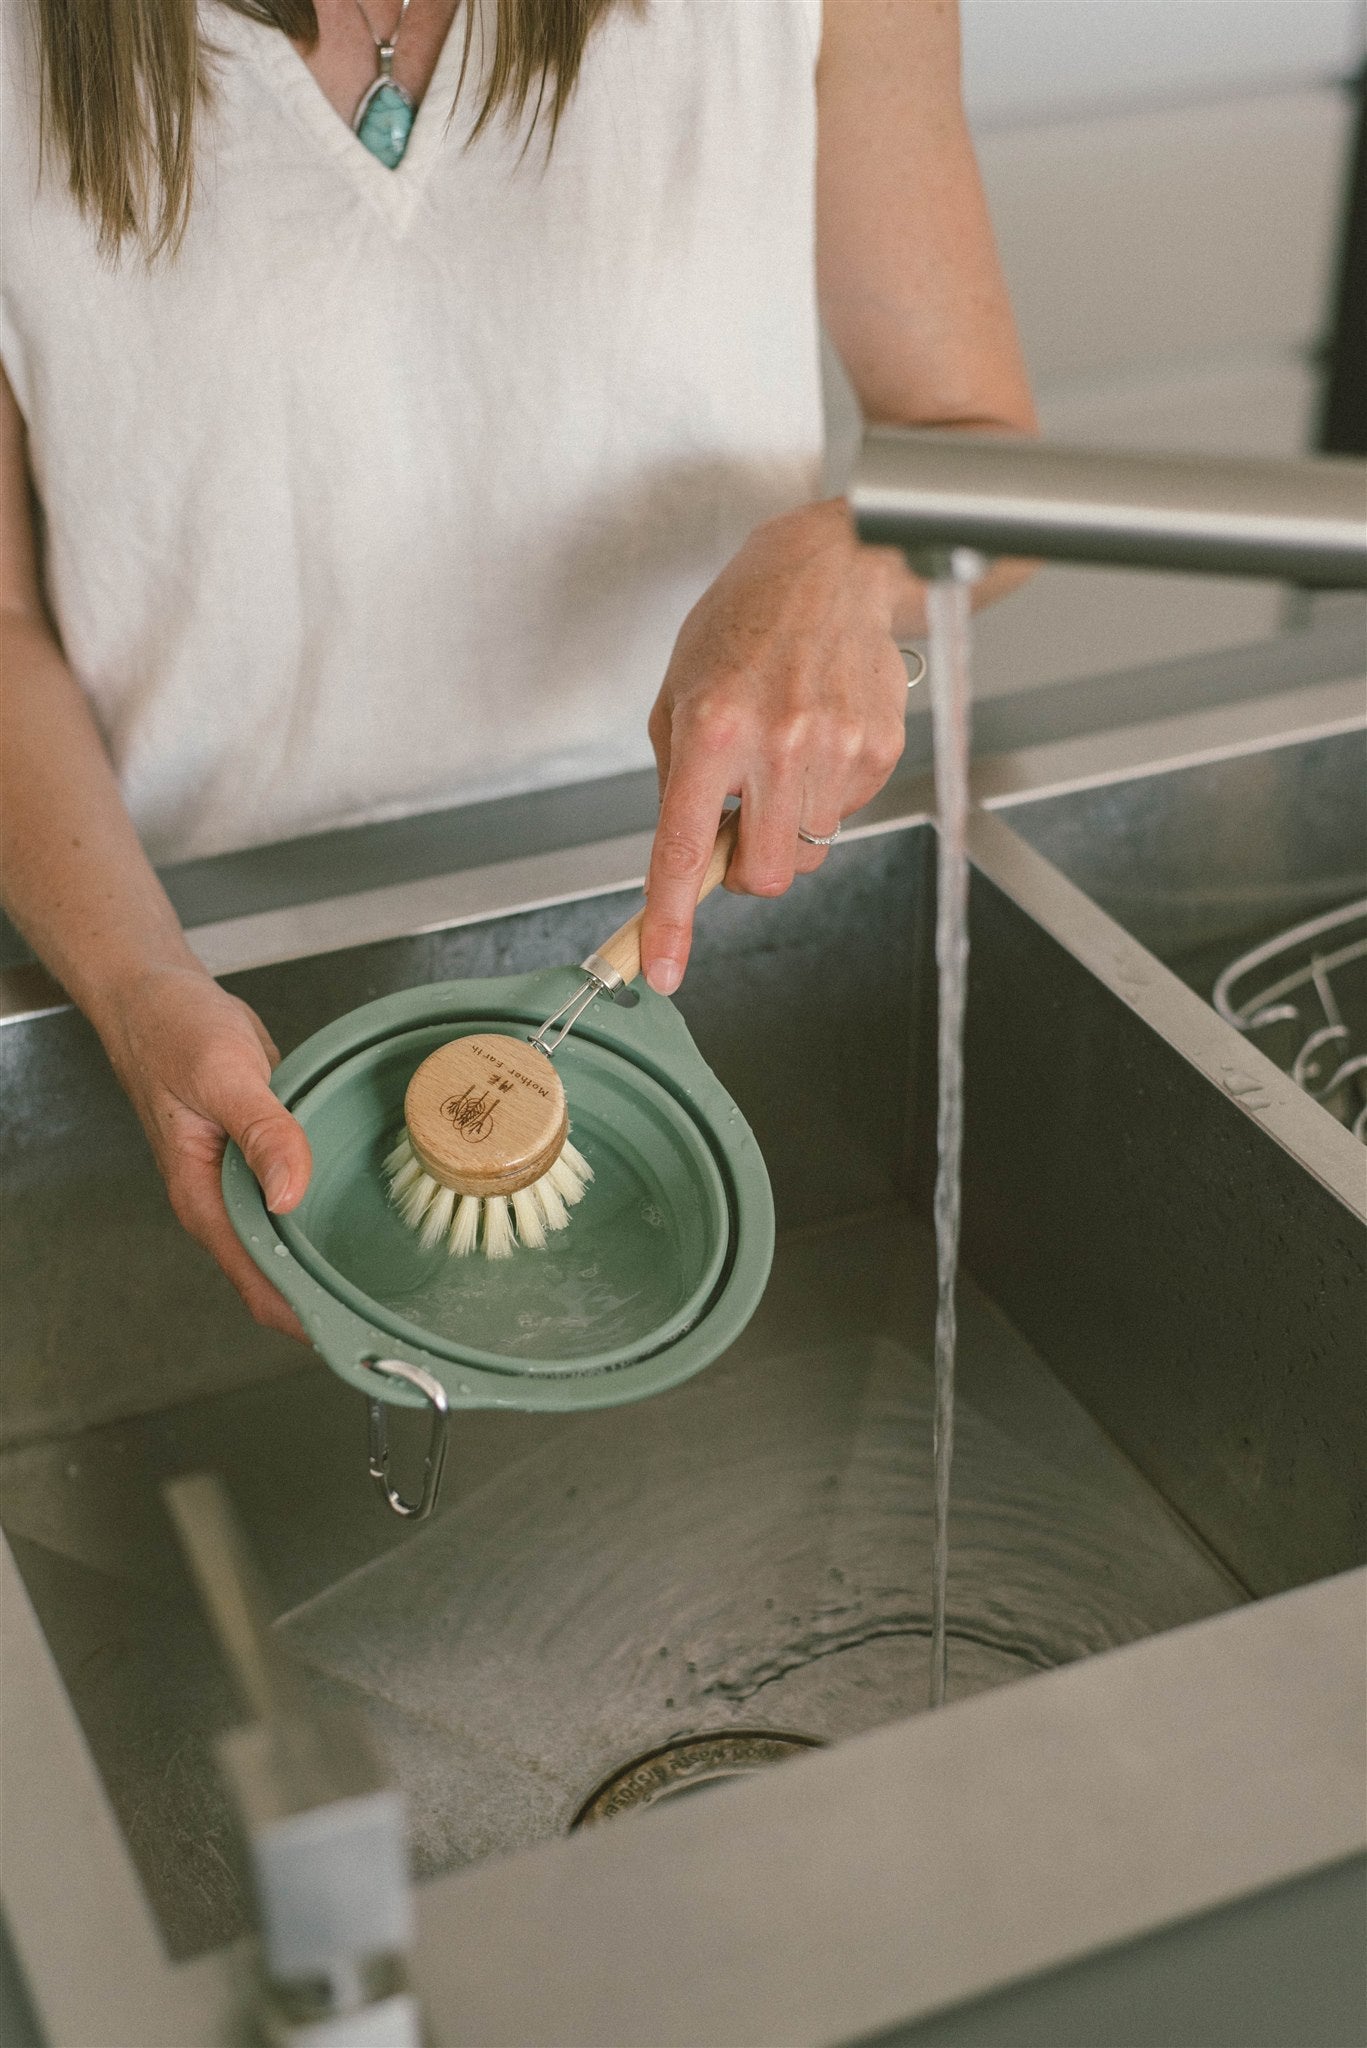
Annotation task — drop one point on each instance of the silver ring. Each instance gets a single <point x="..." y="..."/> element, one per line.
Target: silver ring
<point x="914" y="654"/>
<point x="815" y="838"/>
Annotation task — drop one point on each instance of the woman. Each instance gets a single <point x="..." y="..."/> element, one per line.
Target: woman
<point x="359" y="461"/>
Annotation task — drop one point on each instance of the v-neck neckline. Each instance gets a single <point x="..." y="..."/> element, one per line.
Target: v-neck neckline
<point x="395" y="193"/>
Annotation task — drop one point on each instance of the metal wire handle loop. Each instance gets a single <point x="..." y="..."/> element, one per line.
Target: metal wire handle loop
<point x="434" y="1458"/>
<point x="566" y="1017"/>
<point x="603" y="980"/>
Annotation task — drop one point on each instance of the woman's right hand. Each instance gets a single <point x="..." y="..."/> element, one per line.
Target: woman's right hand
<point x="196" y="1064"/>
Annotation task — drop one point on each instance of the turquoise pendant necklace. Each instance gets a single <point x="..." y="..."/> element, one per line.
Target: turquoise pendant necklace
<point x="384" y="118"/>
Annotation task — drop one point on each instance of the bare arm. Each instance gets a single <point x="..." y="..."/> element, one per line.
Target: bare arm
<point x="76" y="880"/>
<point x="785" y="687"/>
<point x="194" y="1060"/>
<point x="910" y="287"/>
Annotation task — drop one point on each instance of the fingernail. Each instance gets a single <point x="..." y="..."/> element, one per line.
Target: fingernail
<point x="664" y="977"/>
<point x="276" y="1186"/>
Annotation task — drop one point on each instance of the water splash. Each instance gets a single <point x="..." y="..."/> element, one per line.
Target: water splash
<point x="950" y="699"/>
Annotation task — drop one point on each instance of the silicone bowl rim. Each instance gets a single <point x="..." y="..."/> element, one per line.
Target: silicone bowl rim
<point x="652" y="1036"/>
<point x="401" y="1331"/>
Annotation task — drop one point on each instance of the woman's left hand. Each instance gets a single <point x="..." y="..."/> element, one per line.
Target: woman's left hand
<point x="785" y="689"/>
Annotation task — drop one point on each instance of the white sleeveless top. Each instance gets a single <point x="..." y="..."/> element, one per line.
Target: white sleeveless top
<point x="393" y="489"/>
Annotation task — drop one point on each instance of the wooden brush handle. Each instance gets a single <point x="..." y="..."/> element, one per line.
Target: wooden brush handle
<point x="623" y="949"/>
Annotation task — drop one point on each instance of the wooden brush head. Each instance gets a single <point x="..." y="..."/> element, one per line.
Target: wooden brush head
<point x="486" y="1115"/>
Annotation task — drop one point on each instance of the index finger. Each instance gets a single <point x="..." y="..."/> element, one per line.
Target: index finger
<point x="684" y="838"/>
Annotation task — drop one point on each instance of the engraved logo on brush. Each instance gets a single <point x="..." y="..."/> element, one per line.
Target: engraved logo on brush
<point x="482" y="1052"/>
<point x="471" y="1114"/>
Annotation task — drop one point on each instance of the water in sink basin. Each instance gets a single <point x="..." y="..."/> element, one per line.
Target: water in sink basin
<point x="751" y="1550"/>
<point x="768" y="1525"/>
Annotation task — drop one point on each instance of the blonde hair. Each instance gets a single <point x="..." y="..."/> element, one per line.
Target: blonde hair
<point x="123" y="81"/>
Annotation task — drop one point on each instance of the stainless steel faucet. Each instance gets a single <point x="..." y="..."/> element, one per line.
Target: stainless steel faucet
<point x="931" y="490"/>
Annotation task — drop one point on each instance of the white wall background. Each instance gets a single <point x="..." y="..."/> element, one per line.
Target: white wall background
<point x="1031" y="60"/>
<point x="1166" y="178"/>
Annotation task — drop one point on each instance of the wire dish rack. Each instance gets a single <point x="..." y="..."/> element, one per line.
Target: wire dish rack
<point x="1303" y="996"/>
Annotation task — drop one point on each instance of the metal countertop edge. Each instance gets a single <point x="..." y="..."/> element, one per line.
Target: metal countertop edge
<point x="608" y="866"/>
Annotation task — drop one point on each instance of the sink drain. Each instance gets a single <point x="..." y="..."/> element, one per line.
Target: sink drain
<point x="689" y="1765"/>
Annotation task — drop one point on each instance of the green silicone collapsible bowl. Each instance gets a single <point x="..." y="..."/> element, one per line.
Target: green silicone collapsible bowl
<point x="661" y="1267"/>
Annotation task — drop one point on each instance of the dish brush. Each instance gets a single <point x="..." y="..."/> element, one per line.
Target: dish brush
<point x="485" y="1160"/>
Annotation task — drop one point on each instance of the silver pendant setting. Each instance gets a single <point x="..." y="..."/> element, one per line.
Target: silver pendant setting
<point x="385" y="113"/>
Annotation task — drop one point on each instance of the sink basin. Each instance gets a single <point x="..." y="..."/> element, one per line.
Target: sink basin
<point x="1251" y="868"/>
<point x="1160" y="1323"/>
<point x="1207" y="859"/>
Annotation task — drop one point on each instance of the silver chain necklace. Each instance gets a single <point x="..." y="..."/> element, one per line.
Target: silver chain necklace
<point x="385" y="113"/>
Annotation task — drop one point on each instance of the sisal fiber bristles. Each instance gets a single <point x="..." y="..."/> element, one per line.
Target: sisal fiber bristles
<point x="567" y="1183"/>
<point x="465" y="1229"/>
<point x="413" y="1206"/>
<point x="531" y="1231"/>
<point x="498" y="1228"/>
<point x="497" y="1225"/>
<point x="437" y="1221"/>
<point x="554" y="1214"/>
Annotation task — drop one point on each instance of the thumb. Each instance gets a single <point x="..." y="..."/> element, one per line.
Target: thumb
<point x="272" y="1143"/>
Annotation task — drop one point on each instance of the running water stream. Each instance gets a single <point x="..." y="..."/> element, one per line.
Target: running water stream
<point x="948" y="606"/>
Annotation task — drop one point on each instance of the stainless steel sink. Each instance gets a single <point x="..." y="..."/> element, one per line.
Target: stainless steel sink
<point x="1203" y="859"/>
<point x="1160" y="1410"/>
